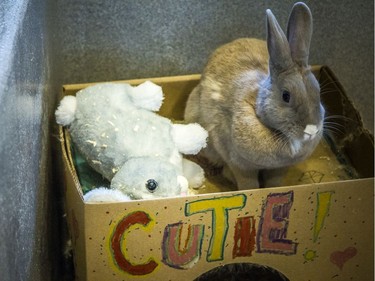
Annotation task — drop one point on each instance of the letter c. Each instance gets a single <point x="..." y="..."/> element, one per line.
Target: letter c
<point x="138" y="217"/>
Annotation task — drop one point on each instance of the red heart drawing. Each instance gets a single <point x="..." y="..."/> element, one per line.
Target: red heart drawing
<point x="339" y="258"/>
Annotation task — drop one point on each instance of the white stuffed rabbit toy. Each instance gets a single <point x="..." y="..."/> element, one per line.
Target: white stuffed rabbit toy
<point x="115" y="129"/>
<point x="260" y="103"/>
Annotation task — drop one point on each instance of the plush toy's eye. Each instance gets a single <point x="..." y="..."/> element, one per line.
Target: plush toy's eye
<point x="151" y="185"/>
<point x="286" y="96"/>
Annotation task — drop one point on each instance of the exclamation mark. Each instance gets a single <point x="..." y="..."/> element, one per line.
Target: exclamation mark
<point x="323" y="204"/>
<point x="324" y="200"/>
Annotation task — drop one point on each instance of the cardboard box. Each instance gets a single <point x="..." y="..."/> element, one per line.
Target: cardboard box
<point x="317" y="227"/>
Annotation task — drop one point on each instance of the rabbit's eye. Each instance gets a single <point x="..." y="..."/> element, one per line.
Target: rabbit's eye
<point x="151" y="185"/>
<point x="286" y="96"/>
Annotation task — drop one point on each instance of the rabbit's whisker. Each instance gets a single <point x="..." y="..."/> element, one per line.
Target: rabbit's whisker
<point x="334" y="128"/>
<point x="338" y="117"/>
<point x="324" y="92"/>
<point x="324" y="83"/>
<point x="281" y="141"/>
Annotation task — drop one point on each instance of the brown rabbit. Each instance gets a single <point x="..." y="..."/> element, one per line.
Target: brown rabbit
<point x="260" y="103"/>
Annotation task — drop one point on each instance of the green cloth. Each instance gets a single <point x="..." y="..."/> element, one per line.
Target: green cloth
<point x="88" y="177"/>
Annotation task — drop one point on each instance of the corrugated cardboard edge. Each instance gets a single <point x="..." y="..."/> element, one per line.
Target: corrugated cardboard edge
<point x="70" y="89"/>
<point x="74" y="208"/>
<point x="359" y="138"/>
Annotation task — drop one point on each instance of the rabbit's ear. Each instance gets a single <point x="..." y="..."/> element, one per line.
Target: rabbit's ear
<point x="299" y="33"/>
<point x="277" y="44"/>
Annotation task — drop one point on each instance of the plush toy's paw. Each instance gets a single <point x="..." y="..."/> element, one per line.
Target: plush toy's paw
<point x="65" y="113"/>
<point x="184" y="184"/>
<point x="103" y="194"/>
<point x="148" y="96"/>
<point x="193" y="173"/>
<point x="190" y="138"/>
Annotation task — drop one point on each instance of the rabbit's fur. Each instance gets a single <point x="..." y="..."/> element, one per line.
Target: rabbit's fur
<point x="260" y="103"/>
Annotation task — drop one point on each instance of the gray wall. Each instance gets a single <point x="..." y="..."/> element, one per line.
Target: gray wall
<point x="106" y="40"/>
<point x="28" y="205"/>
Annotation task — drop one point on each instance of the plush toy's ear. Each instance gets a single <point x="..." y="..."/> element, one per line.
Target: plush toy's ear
<point x="102" y="194"/>
<point x="190" y="138"/>
<point x="148" y="96"/>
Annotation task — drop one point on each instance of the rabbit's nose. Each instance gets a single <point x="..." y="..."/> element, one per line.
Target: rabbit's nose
<point x="310" y="132"/>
